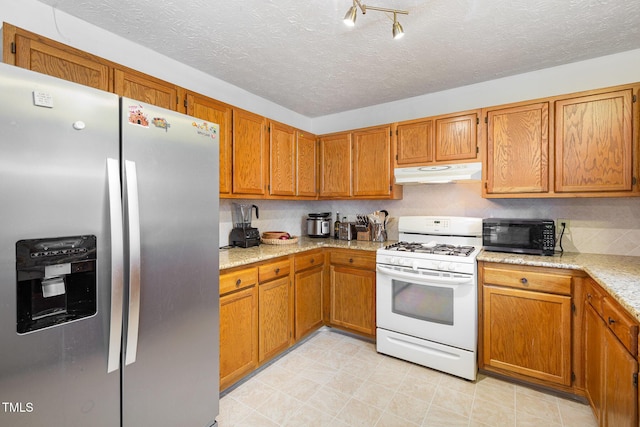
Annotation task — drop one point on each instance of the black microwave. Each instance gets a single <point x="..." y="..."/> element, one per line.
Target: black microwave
<point x="525" y="236"/>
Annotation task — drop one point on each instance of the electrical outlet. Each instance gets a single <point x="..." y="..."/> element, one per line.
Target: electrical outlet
<point x="559" y="223"/>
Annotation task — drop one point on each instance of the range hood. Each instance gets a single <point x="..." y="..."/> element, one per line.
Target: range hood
<point x="439" y="174"/>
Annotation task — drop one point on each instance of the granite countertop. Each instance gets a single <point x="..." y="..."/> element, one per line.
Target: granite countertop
<point x="236" y="257"/>
<point x="619" y="275"/>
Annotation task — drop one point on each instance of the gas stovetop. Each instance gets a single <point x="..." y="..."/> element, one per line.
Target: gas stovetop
<point x="431" y="248"/>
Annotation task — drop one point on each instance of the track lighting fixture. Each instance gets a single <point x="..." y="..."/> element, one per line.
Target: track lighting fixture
<point x="352" y="13"/>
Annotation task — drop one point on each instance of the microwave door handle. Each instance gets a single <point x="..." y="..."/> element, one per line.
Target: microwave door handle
<point x="420" y="279"/>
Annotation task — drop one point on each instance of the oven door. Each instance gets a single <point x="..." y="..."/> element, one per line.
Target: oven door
<point x="433" y="305"/>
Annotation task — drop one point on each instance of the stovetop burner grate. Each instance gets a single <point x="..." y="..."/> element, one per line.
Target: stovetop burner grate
<point x="431" y="248"/>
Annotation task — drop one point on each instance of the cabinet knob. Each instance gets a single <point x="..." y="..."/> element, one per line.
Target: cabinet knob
<point x="277" y="270"/>
<point x="589" y="296"/>
<point x="313" y="260"/>
<point x="612" y="321"/>
<point x="238" y="282"/>
<point x="351" y="260"/>
<point x="524" y="281"/>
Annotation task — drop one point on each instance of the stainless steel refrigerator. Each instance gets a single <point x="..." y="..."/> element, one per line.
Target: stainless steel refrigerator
<point x="108" y="259"/>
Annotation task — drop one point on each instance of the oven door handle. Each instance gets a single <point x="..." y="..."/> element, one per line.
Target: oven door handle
<point x="423" y="279"/>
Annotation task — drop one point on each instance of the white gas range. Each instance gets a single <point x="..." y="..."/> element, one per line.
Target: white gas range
<point x="426" y="293"/>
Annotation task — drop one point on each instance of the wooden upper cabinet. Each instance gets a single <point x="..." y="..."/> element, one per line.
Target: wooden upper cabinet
<point x="335" y="165"/>
<point x="372" y="162"/>
<point x="145" y="88"/>
<point x="216" y="112"/>
<point x="307" y="165"/>
<point x="250" y="153"/>
<point x="594" y="145"/>
<point x="282" y="160"/>
<point x="415" y="143"/>
<point x="456" y="137"/>
<point x="55" y="59"/>
<point x="518" y="149"/>
<point x="440" y="139"/>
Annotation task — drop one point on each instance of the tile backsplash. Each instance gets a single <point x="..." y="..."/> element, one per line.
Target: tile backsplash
<point x="596" y="225"/>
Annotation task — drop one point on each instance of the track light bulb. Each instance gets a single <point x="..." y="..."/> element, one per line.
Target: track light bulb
<point x="397" y="30"/>
<point x="350" y="17"/>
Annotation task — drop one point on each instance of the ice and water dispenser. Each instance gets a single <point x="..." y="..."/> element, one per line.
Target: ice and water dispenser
<point x="56" y="281"/>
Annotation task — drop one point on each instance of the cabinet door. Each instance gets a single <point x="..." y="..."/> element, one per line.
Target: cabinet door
<point x="372" y="162"/>
<point x="307" y="165"/>
<point x="594" y="351"/>
<point x="335" y="165"/>
<point x="216" y="112"/>
<point x="415" y="143"/>
<point x="308" y="300"/>
<point x="238" y="335"/>
<point x="275" y="314"/>
<point x="457" y="138"/>
<point x="353" y="299"/>
<point x="282" y="160"/>
<point x="55" y="59"/>
<point x="250" y="153"/>
<point x="528" y="333"/>
<point x="593" y="142"/>
<point x="621" y="390"/>
<point x="518" y="149"/>
<point x="142" y="87"/>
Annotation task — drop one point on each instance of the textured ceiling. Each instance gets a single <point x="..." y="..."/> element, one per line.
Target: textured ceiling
<point x="299" y="54"/>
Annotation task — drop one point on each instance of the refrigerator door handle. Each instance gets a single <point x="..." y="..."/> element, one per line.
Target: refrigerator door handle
<point x="133" y="222"/>
<point x="117" y="264"/>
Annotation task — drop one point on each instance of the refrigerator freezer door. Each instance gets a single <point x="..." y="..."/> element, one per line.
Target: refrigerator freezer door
<point x="174" y="378"/>
<point x="55" y="139"/>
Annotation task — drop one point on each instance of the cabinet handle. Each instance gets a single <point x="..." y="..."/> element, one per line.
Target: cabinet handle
<point x="277" y="270"/>
<point x="612" y="321"/>
<point x="524" y="281"/>
<point x="238" y="282"/>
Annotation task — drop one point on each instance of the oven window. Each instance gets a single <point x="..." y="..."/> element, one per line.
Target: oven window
<point x="423" y="302"/>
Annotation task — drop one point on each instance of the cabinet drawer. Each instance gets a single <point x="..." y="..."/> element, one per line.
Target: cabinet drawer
<point x="594" y="296"/>
<point x="530" y="280"/>
<point x="355" y="258"/>
<point x="302" y="262"/>
<point x="274" y="270"/>
<point x="622" y="325"/>
<point x="238" y="280"/>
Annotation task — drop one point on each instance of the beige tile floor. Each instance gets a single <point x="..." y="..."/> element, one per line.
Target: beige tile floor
<point x="333" y="379"/>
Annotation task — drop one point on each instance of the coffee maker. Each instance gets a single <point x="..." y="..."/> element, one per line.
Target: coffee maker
<point x="242" y="234"/>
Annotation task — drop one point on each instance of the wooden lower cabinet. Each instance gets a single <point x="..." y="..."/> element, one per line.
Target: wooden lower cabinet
<point x="308" y="282"/>
<point x="528" y="333"/>
<point x="353" y="291"/>
<point x="611" y="367"/>
<point x="594" y="328"/>
<point x="275" y="317"/>
<point x="526" y="324"/>
<point x="238" y="335"/>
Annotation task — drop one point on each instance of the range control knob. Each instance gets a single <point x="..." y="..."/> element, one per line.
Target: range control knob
<point x="442" y="265"/>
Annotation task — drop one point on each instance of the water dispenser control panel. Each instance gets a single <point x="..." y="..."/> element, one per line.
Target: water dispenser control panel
<point x="56" y="281"/>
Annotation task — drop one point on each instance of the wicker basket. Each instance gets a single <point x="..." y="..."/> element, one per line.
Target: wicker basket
<point x="291" y="241"/>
